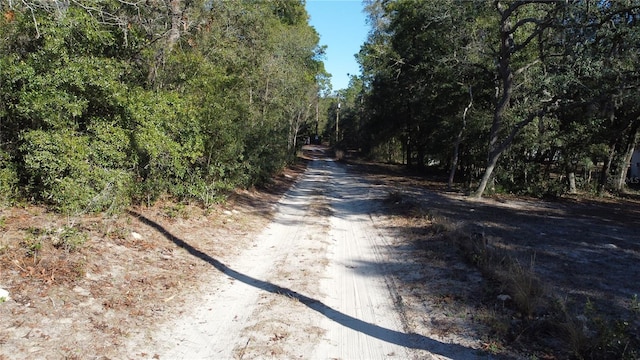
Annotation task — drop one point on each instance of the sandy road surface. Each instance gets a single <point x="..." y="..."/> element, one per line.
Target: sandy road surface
<point x="313" y="286"/>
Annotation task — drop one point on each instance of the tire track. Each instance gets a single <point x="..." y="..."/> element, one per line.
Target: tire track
<point x="313" y="286"/>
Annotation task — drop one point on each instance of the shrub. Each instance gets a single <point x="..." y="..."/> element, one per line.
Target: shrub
<point x="8" y="179"/>
<point x="69" y="238"/>
<point x="166" y="143"/>
<point x="61" y="173"/>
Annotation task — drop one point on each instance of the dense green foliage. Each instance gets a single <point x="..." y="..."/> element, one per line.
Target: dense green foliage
<point x="107" y="102"/>
<point x="537" y="97"/>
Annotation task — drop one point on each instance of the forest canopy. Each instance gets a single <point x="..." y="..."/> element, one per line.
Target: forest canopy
<point x="523" y="96"/>
<point x="104" y="103"/>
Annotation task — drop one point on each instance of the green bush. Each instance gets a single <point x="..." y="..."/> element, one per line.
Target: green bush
<point x="62" y="171"/>
<point x="69" y="238"/>
<point x="166" y="142"/>
<point x="8" y="179"/>
<point x="95" y="116"/>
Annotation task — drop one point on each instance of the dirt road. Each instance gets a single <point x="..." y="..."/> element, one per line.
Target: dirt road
<point x="356" y="263"/>
<point x="314" y="285"/>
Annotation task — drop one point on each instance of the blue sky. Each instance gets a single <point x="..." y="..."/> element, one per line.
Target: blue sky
<point x="342" y="27"/>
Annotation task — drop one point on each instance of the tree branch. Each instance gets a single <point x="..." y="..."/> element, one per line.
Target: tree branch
<point x="523" y="22"/>
<point x="526" y="67"/>
<point x="516" y="129"/>
<point x="33" y="16"/>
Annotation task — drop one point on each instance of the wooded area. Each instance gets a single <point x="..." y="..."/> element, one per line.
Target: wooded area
<point x="104" y="103"/>
<point x="528" y="96"/>
<point x="108" y="102"/>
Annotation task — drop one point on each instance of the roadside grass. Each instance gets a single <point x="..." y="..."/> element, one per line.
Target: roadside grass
<point x="587" y="335"/>
<point x="69" y="238"/>
<point x="529" y="316"/>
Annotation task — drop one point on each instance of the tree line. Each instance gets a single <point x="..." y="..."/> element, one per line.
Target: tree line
<point x="104" y="103"/>
<point x="525" y="96"/>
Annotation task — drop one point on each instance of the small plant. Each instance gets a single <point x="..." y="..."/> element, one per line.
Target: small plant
<point x="419" y="212"/>
<point x="33" y="241"/>
<point x="33" y="246"/>
<point x="69" y="238"/>
<point x="520" y="282"/>
<point x="176" y="211"/>
<point x="525" y="287"/>
<point x="572" y="329"/>
<point x="498" y="321"/>
<point x="493" y="346"/>
<point x="116" y="232"/>
<point x="444" y="225"/>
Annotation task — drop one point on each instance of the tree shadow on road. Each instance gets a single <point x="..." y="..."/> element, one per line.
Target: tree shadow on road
<point x="413" y="341"/>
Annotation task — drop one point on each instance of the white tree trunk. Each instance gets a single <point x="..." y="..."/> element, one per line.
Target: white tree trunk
<point x="456" y="147"/>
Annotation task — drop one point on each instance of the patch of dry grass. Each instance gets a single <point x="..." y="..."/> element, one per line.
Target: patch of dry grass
<point x="517" y="281"/>
<point x="588" y="335"/>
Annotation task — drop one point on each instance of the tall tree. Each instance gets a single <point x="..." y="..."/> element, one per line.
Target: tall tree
<point x="521" y="26"/>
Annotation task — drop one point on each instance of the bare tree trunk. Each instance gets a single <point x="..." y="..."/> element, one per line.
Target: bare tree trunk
<point x="317" y="116"/>
<point x="571" y="179"/>
<point x="508" y="47"/>
<point x="294" y="136"/>
<point x="409" y="151"/>
<point x="604" y="173"/>
<point x="294" y="128"/>
<point x="506" y="75"/>
<point x="613" y="148"/>
<point x="623" y="166"/>
<point x="173" y="35"/>
<point x="491" y="165"/>
<point x="176" y="20"/>
<point x="265" y="103"/>
<point x="456" y="147"/>
<point x="496" y="152"/>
